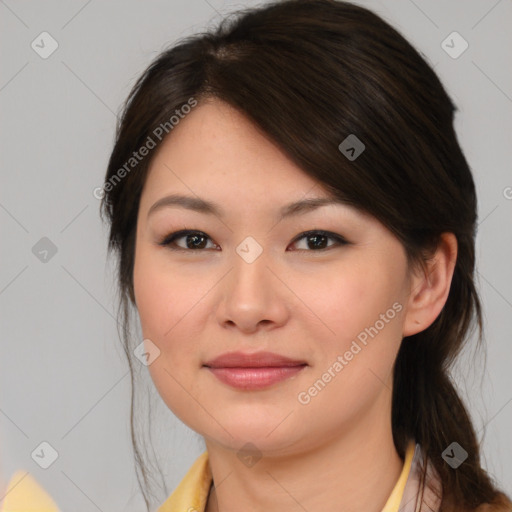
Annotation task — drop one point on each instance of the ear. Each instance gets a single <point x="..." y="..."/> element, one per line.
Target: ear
<point x="429" y="290"/>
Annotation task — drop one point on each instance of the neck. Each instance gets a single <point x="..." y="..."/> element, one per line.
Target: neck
<point x="357" y="470"/>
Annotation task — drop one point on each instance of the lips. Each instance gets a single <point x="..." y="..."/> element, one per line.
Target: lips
<point x="255" y="360"/>
<point x="253" y="371"/>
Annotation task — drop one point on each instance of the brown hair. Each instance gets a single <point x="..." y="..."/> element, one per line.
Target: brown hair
<point x="309" y="73"/>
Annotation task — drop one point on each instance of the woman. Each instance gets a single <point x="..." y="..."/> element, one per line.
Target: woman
<point x="295" y="220"/>
<point x="305" y="126"/>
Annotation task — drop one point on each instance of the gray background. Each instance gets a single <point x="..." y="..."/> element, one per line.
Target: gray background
<point x="63" y="379"/>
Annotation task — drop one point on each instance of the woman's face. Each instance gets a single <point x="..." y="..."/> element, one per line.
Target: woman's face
<point x="251" y="282"/>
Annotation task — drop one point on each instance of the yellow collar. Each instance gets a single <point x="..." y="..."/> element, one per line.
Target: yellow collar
<point x="192" y="492"/>
<point x="395" y="498"/>
<point x="24" y="493"/>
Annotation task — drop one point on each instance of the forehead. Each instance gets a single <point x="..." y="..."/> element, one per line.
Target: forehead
<point x="226" y="166"/>
<point x="215" y="149"/>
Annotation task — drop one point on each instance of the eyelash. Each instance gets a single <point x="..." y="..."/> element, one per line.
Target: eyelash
<point x="169" y="239"/>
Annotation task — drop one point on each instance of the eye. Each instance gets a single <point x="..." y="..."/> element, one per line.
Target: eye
<point x="316" y="240"/>
<point x="194" y="240"/>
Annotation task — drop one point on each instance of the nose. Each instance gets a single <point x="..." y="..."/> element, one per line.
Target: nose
<point x="252" y="297"/>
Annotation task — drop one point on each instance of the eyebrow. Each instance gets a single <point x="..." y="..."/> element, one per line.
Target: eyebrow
<point x="207" y="207"/>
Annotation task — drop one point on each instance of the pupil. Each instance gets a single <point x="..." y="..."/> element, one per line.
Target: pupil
<point x="194" y="244"/>
<point x="316" y="239"/>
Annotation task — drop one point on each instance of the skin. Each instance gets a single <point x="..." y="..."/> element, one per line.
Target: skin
<point x="337" y="451"/>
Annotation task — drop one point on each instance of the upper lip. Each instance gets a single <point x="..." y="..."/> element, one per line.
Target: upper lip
<point x="254" y="360"/>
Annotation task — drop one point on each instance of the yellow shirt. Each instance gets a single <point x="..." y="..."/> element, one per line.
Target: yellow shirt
<point x="24" y="494"/>
<point x="192" y="492"/>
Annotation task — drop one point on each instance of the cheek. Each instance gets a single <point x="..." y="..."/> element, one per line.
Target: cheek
<point x="363" y="307"/>
<point x="152" y="302"/>
<point x="172" y="309"/>
<point x="164" y="303"/>
<point x="349" y="299"/>
<point x="161" y="296"/>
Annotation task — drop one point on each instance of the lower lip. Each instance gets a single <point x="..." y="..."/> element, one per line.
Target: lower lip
<point x="255" y="378"/>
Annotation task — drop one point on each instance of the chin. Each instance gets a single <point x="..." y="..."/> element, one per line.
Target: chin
<point x="249" y="436"/>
